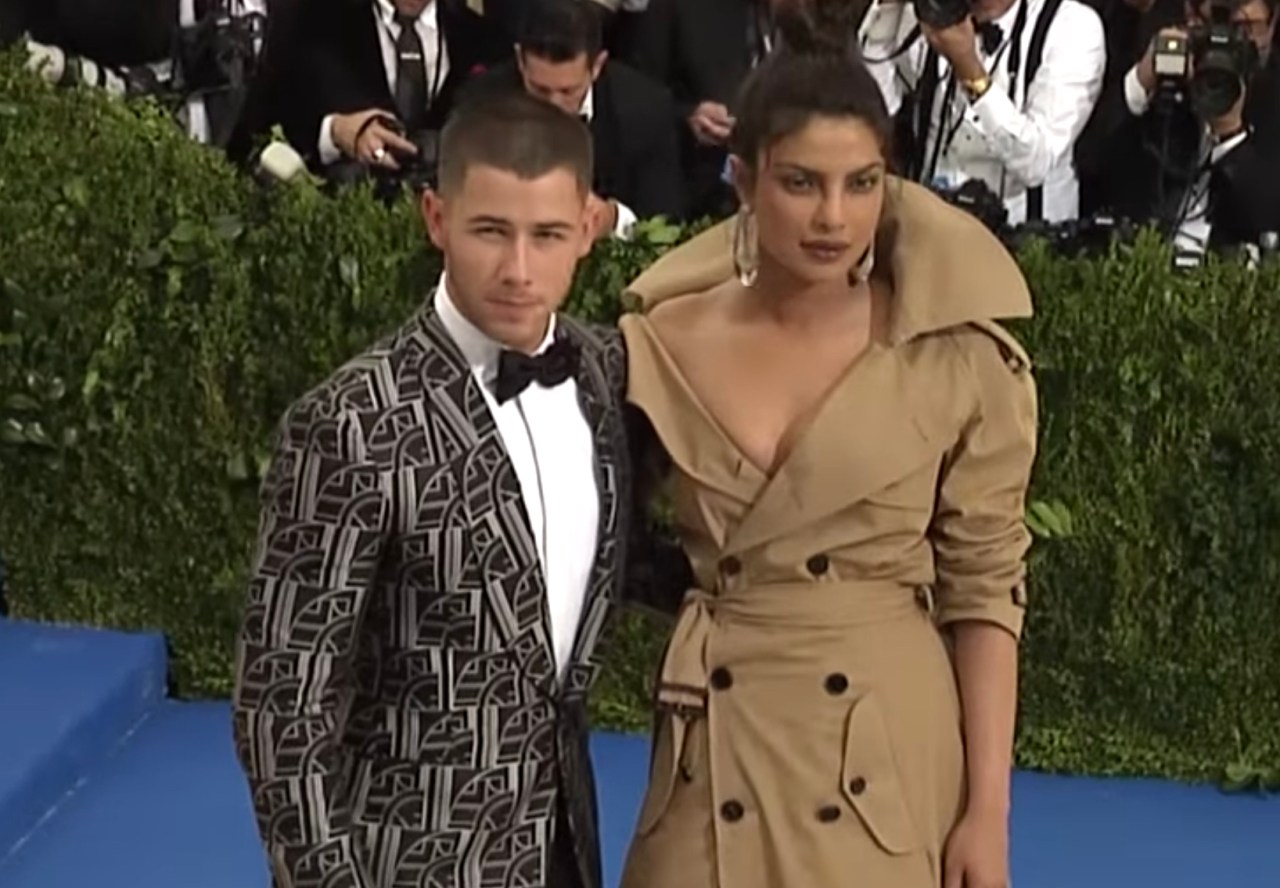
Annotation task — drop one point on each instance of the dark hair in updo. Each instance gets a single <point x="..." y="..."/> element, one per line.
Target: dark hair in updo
<point x="816" y="71"/>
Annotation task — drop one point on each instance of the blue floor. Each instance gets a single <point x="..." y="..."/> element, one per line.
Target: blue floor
<point x="162" y="804"/>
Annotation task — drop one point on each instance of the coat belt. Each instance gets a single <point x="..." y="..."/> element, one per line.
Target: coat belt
<point x="684" y="683"/>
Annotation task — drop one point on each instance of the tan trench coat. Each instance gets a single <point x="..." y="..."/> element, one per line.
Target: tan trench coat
<point x="810" y="732"/>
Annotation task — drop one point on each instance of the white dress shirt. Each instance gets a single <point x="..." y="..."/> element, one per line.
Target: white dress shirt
<point x="1192" y="235"/>
<point x="626" y="223"/>
<point x="434" y="60"/>
<point x="1010" y="142"/>
<point x="550" y="444"/>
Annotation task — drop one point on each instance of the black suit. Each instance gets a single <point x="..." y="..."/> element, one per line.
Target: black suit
<point x="637" y="159"/>
<point x="1118" y="154"/>
<point x="702" y="50"/>
<point x="338" y="65"/>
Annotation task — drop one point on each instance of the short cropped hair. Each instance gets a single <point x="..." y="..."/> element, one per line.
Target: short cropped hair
<point x="512" y="131"/>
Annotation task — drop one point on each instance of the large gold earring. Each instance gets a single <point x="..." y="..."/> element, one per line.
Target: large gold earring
<point x="746" y="249"/>
<point x="861" y="273"/>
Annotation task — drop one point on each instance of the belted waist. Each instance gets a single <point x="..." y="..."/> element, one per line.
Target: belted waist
<point x="684" y="681"/>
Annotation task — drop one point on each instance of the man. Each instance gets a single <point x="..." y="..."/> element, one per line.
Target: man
<point x="998" y="98"/>
<point x="440" y="545"/>
<point x="369" y="74"/>
<point x="560" y="58"/>
<point x="702" y="51"/>
<point x="1209" y="176"/>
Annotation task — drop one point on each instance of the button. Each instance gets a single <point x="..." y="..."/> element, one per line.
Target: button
<point x="857" y="786"/>
<point x="828" y="814"/>
<point x="732" y="811"/>
<point x="836" y="684"/>
<point x="730" y="566"/>
<point x="721" y="678"/>
<point x="818" y="565"/>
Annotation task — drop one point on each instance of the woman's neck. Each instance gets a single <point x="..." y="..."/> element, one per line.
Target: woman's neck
<point x="792" y="303"/>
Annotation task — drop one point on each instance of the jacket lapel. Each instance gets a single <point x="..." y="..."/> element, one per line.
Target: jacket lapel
<point x="501" y="538"/>
<point x="840" y="459"/>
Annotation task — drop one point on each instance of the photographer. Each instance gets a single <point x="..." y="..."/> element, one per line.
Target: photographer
<point x="1189" y="136"/>
<point x="374" y="80"/>
<point x="990" y="90"/>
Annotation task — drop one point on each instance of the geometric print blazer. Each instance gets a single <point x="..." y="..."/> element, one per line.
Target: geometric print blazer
<point x="397" y="709"/>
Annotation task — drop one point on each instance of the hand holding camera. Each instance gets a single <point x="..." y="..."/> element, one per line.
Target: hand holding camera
<point x="1208" y="64"/>
<point x="372" y="137"/>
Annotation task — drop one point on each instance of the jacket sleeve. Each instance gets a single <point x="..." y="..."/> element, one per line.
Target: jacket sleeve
<point x="979" y="532"/>
<point x="323" y="528"/>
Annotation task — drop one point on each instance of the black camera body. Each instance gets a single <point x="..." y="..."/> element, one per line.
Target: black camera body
<point x="941" y="13"/>
<point x="977" y="199"/>
<point x="1212" y="64"/>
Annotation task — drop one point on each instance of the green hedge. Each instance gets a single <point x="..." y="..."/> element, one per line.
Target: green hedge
<point x="158" y="311"/>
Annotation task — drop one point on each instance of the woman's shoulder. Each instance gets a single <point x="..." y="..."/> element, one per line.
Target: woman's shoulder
<point x="682" y="317"/>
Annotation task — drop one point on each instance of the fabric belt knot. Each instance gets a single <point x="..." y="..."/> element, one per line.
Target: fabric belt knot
<point x="683" y="684"/>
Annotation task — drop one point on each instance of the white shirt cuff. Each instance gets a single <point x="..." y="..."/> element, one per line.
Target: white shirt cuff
<point x="994" y="113"/>
<point x="1135" y="94"/>
<point x="626" y="222"/>
<point x="1222" y="149"/>
<point x="328" y="150"/>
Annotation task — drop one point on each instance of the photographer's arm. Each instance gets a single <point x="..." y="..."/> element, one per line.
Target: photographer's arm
<point x="884" y="29"/>
<point x="1032" y="139"/>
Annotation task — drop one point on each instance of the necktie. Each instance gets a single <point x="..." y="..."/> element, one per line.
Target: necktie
<point x="411" y="75"/>
<point x="517" y="370"/>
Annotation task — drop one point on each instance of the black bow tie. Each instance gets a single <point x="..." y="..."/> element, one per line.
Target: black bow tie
<point x="517" y="370"/>
<point x="991" y="35"/>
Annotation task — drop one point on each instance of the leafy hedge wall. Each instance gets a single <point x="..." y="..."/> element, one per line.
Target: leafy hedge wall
<point x="158" y="312"/>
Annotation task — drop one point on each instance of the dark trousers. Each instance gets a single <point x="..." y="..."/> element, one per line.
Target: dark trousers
<point x="564" y="871"/>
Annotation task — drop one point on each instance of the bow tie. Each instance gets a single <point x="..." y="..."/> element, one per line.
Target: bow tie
<point x="517" y="370"/>
<point x="991" y="35"/>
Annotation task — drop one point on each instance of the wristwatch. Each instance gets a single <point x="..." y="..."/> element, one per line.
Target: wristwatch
<point x="976" y="87"/>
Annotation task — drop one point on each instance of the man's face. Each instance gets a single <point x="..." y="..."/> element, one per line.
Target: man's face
<point x="511" y="247"/>
<point x="1252" y="17"/>
<point x="563" y="84"/>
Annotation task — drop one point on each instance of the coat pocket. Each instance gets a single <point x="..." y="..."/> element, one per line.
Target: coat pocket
<point x="870" y="781"/>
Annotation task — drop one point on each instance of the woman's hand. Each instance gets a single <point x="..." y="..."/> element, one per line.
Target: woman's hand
<point x="977" y="854"/>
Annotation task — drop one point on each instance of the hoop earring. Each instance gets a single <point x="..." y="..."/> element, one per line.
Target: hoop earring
<point x="861" y="273"/>
<point x="746" y="254"/>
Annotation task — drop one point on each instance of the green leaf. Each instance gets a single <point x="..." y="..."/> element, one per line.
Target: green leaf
<point x="184" y="232"/>
<point x="228" y="227"/>
<point x="91" y="381"/>
<point x="76" y="191"/>
<point x="1240" y="776"/>
<point x="20" y="403"/>
<point x="12" y="432"/>
<point x="349" y="271"/>
<point x="237" y="468"/>
<point x="150" y="258"/>
<point x="8" y="109"/>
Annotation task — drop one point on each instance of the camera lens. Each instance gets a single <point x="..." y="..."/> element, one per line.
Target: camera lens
<point x="941" y="13"/>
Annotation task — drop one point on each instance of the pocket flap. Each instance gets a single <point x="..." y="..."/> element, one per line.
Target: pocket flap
<point x="870" y="782"/>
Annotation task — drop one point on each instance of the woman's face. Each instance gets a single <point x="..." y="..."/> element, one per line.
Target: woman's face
<point x="817" y="196"/>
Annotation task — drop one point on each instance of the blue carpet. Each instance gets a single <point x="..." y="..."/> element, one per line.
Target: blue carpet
<point x="170" y="810"/>
<point x="67" y="698"/>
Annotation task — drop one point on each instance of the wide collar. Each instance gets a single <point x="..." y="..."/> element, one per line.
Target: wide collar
<point x="947" y="268"/>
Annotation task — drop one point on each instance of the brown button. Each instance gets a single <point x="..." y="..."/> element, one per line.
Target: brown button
<point x="857" y="786"/>
<point x="721" y="678"/>
<point x="730" y="566"/>
<point x="818" y="565"/>
<point x="732" y="810"/>
<point x="828" y="814"/>
<point x="836" y="684"/>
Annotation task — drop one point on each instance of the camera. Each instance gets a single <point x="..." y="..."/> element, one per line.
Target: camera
<point x="1214" y="62"/>
<point x="941" y="13"/>
<point x="977" y="199"/>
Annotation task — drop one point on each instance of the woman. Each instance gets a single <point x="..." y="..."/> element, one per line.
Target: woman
<point x="848" y="439"/>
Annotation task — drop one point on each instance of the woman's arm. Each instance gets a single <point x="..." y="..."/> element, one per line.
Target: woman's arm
<point x="986" y="658"/>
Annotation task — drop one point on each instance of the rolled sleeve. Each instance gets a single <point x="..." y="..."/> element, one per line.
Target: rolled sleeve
<point x="979" y="533"/>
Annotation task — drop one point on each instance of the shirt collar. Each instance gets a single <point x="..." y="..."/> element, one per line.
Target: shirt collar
<point x="588" y="109"/>
<point x="386" y="10"/>
<point x="480" y="351"/>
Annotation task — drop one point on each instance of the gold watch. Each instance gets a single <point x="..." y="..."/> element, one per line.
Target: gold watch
<point x="976" y="87"/>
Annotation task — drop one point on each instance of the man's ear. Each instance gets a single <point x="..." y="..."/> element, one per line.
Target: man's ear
<point x="432" y="206"/>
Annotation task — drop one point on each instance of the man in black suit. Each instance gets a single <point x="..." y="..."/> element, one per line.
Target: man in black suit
<point x="368" y="73"/>
<point x="560" y="58"/>
<point x="442" y="539"/>
<point x="703" y="50"/>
